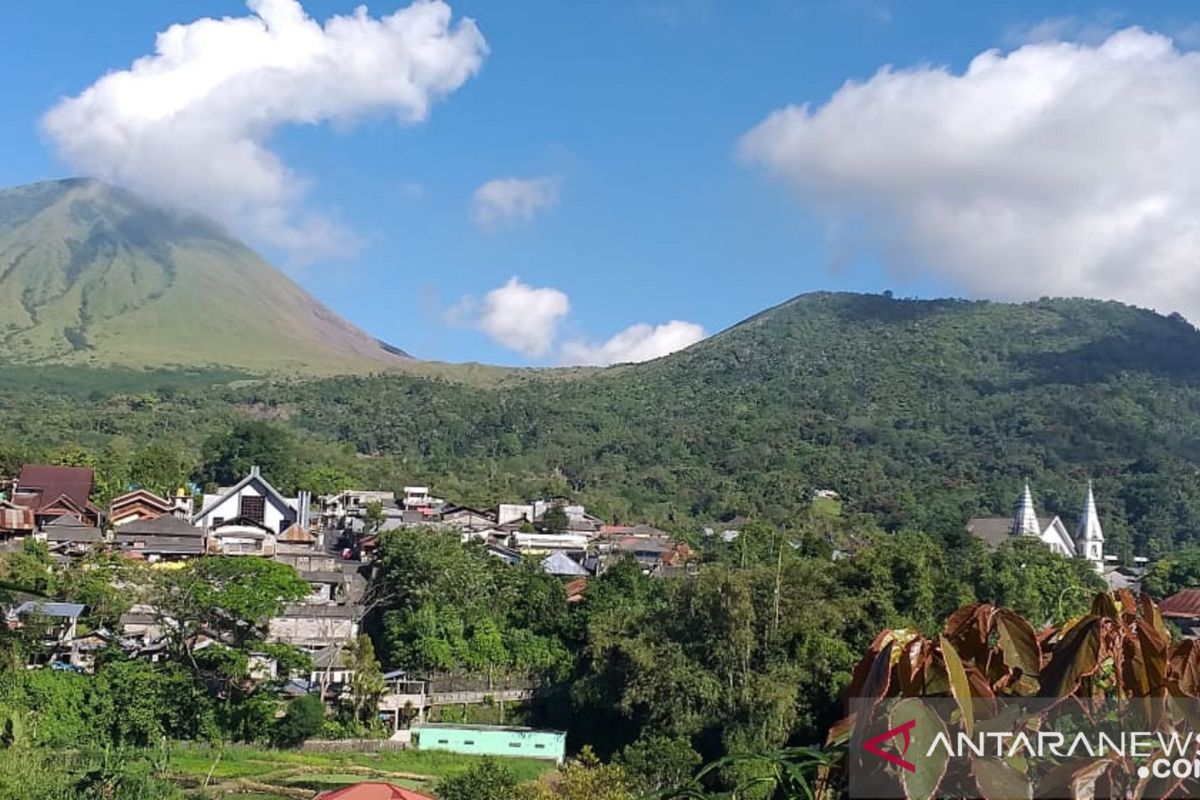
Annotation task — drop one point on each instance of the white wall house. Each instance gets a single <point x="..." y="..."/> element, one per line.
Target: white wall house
<point x="254" y="500"/>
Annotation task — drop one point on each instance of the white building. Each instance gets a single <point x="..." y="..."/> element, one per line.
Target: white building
<point x="1088" y="541"/>
<point x="253" y="500"/>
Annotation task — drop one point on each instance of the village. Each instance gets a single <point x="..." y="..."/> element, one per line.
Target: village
<point x="331" y="543"/>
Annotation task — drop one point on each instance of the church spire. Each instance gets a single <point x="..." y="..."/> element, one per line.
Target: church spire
<point x="1024" y="518"/>
<point x="1089" y="537"/>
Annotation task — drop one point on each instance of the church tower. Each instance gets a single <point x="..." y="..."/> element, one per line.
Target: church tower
<point x="1025" y="521"/>
<point x="1089" y="538"/>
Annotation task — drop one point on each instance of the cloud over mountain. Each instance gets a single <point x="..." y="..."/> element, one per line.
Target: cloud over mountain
<point x="640" y="342"/>
<point x="1057" y="168"/>
<point x="191" y="123"/>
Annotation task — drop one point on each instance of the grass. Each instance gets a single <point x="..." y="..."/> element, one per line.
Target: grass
<point x="293" y="769"/>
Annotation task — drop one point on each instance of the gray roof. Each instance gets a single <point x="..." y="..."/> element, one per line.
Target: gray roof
<point x="69" y="529"/>
<point x="168" y="525"/>
<point x="996" y="530"/>
<point x="561" y="564"/>
<point x="322" y="576"/>
<point x="68" y="610"/>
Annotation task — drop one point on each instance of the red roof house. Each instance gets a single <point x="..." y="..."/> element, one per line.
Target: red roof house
<point x="372" y="790"/>
<point x="57" y="491"/>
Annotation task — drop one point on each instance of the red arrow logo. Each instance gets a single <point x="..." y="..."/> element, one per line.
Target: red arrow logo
<point x="872" y="745"/>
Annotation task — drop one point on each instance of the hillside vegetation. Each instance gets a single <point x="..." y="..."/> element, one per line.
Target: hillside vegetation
<point x="92" y="275"/>
<point x="920" y="413"/>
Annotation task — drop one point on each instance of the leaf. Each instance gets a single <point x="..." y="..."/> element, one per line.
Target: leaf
<point x="960" y="686"/>
<point x="1103" y="605"/>
<point x="930" y="762"/>
<point x="1075" y="657"/>
<point x="1083" y="781"/>
<point x="1151" y="615"/>
<point x="998" y="780"/>
<point x="1018" y="642"/>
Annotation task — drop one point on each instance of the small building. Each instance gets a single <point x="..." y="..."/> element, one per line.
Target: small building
<point x="1183" y="608"/>
<point x="141" y="505"/>
<point x="63" y="618"/>
<point x="561" y="565"/>
<point x="16" y="522"/>
<point x="72" y="536"/>
<point x="492" y="740"/>
<point x="163" y="538"/>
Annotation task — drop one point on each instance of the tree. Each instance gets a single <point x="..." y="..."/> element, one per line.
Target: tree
<point x="303" y="719"/>
<point x="487" y="779"/>
<point x="368" y="683"/>
<point x="555" y="520"/>
<point x="158" y="468"/>
<point x="228" y="457"/>
<point x="229" y="597"/>
<point x="656" y="763"/>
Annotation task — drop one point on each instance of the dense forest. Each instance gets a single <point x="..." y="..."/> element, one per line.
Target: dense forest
<point x="920" y="413"/>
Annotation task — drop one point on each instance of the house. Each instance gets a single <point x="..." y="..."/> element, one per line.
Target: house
<point x="52" y="491"/>
<point x="16" y="522"/>
<point x="492" y="740"/>
<point x="162" y="538"/>
<point x="561" y="565"/>
<point x="71" y="535"/>
<point x="516" y="514"/>
<point x="336" y="507"/>
<point x="313" y="627"/>
<point x="547" y="542"/>
<point x="255" y="500"/>
<point x="1183" y="608"/>
<point x="468" y="519"/>
<point x="1087" y="543"/>
<point x="141" y="505"/>
<point x="241" y="536"/>
<point x="63" y="618"/>
<point x="372" y="790"/>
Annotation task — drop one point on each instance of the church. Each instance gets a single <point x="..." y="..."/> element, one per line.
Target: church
<point x="1087" y="542"/>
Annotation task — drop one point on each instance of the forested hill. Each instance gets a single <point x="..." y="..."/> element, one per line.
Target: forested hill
<point x="921" y="413"/>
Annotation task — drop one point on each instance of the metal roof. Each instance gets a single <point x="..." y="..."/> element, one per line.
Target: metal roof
<point x="1184" y="603"/>
<point x="68" y="610"/>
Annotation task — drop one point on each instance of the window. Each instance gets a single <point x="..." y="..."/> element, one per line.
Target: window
<point x="514" y="744"/>
<point x="539" y="747"/>
<point x="443" y="741"/>
<point x="253" y="508"/>
<point x="468" y="741"/>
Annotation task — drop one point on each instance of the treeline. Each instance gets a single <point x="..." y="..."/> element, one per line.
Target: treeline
<point x="921" y="414"/>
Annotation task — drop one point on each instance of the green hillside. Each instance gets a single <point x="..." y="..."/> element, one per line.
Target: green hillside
<point x="920" y="413"/>
<point x="91" y="275"/>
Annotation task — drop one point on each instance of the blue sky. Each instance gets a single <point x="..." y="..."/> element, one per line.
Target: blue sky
<point x="633" y="111"/>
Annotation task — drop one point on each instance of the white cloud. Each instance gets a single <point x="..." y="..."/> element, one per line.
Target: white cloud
<point x="641" y="342"/>
<point x="191" y="123"/>
<point x="505" y="201"/>
<point x="521" y="317"/>
<point x="527" y="319"/>
<point x="1054" y="169"/>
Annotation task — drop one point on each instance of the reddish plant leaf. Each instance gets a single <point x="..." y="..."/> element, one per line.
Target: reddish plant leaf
<point x="930" y="762"/>
<point x="1018" y="642"/>
<point x="1075" y="657"/>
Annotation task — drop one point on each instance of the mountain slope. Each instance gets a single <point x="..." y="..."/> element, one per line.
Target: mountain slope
<point x="921" y="413"/>
<point x="90" y="274"/>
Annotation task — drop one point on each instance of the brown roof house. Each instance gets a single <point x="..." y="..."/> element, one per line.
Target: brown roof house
<point x="143" y="505"/>
<point x="1183" y="608"/>
<point x="53" y="492"/>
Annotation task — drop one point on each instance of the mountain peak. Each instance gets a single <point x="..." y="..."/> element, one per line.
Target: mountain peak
<point x="91" y="273"/>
